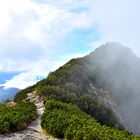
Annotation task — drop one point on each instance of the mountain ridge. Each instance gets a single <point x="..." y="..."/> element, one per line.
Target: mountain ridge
<point x="104" y="84"/>
<point x="119" y="71"/>
<point x="112" y="69"/>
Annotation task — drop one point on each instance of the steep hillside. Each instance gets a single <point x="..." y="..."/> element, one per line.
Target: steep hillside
<point x="118" y="72"/>
<point x="104" y="84"/>
<point x="67" y="121"/>
<point x="110" y="74"/>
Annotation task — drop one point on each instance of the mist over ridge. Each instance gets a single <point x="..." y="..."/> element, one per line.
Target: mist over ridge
<point x="110" y="74"/>
<point x="116" y="69"/>
<point x="104" y="85"/>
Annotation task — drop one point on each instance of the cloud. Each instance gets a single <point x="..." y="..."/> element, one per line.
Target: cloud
<point x="118" y="21"/>
<point x="35" y="72"/>
<point x="34" y="35"/>
<point x="31" y="34"/>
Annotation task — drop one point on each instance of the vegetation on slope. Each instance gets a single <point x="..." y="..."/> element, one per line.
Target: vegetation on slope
<point x="16" y="117"/>
<point x="21" y="95"/>
<point x="70" y="84"/>
<point x="67" y="121"/>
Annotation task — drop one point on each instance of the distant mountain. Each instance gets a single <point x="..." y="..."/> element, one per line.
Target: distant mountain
<point x="7" y="94"/>
<point x="5" y="76"/>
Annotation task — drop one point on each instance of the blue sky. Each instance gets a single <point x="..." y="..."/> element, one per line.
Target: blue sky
<point x="38" y="36"/>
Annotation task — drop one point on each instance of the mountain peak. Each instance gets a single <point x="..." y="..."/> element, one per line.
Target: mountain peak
<point x="114" y="47"/>
<point x="113" y="51"/>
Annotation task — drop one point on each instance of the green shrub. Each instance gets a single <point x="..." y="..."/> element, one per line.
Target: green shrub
<point x="71" y="84"/>
<point x="85" y="102"/>
<point x="17" y="117"/>
<point x="67" y="121"/>
<point x="21" y="95"/>
<point x="55" y="123"/>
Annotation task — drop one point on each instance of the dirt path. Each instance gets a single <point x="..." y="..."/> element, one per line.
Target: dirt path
<point x="36" y="124"/>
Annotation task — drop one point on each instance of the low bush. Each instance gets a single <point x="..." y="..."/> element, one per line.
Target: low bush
<point x="67" y="121"/>
<point x="16" y="117"/>
<point x="86" y="102"/>
<point x="21" y="95"/>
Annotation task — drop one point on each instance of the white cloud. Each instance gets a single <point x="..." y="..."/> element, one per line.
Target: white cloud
<point x="35" y="71"/>
<point x="118" y="21"/>
<point x="31" y="31"/>
<point x="54" y="24"/>
<point x="23" y="80"/>
<point x="4" y="16"/>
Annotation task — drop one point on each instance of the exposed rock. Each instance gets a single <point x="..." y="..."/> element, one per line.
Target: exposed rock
<point x="10" y="104"/>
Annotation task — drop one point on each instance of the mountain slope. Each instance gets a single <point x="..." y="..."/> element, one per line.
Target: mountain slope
<point x="118" y="72"/>
<point x="111" y="74"/>
<point x="104" y="84"/>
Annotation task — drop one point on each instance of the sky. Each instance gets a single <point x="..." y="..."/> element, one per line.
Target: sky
<point x="38" y="36"/>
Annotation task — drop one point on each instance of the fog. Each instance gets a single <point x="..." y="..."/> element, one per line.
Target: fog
<point x="117" y="70"/>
